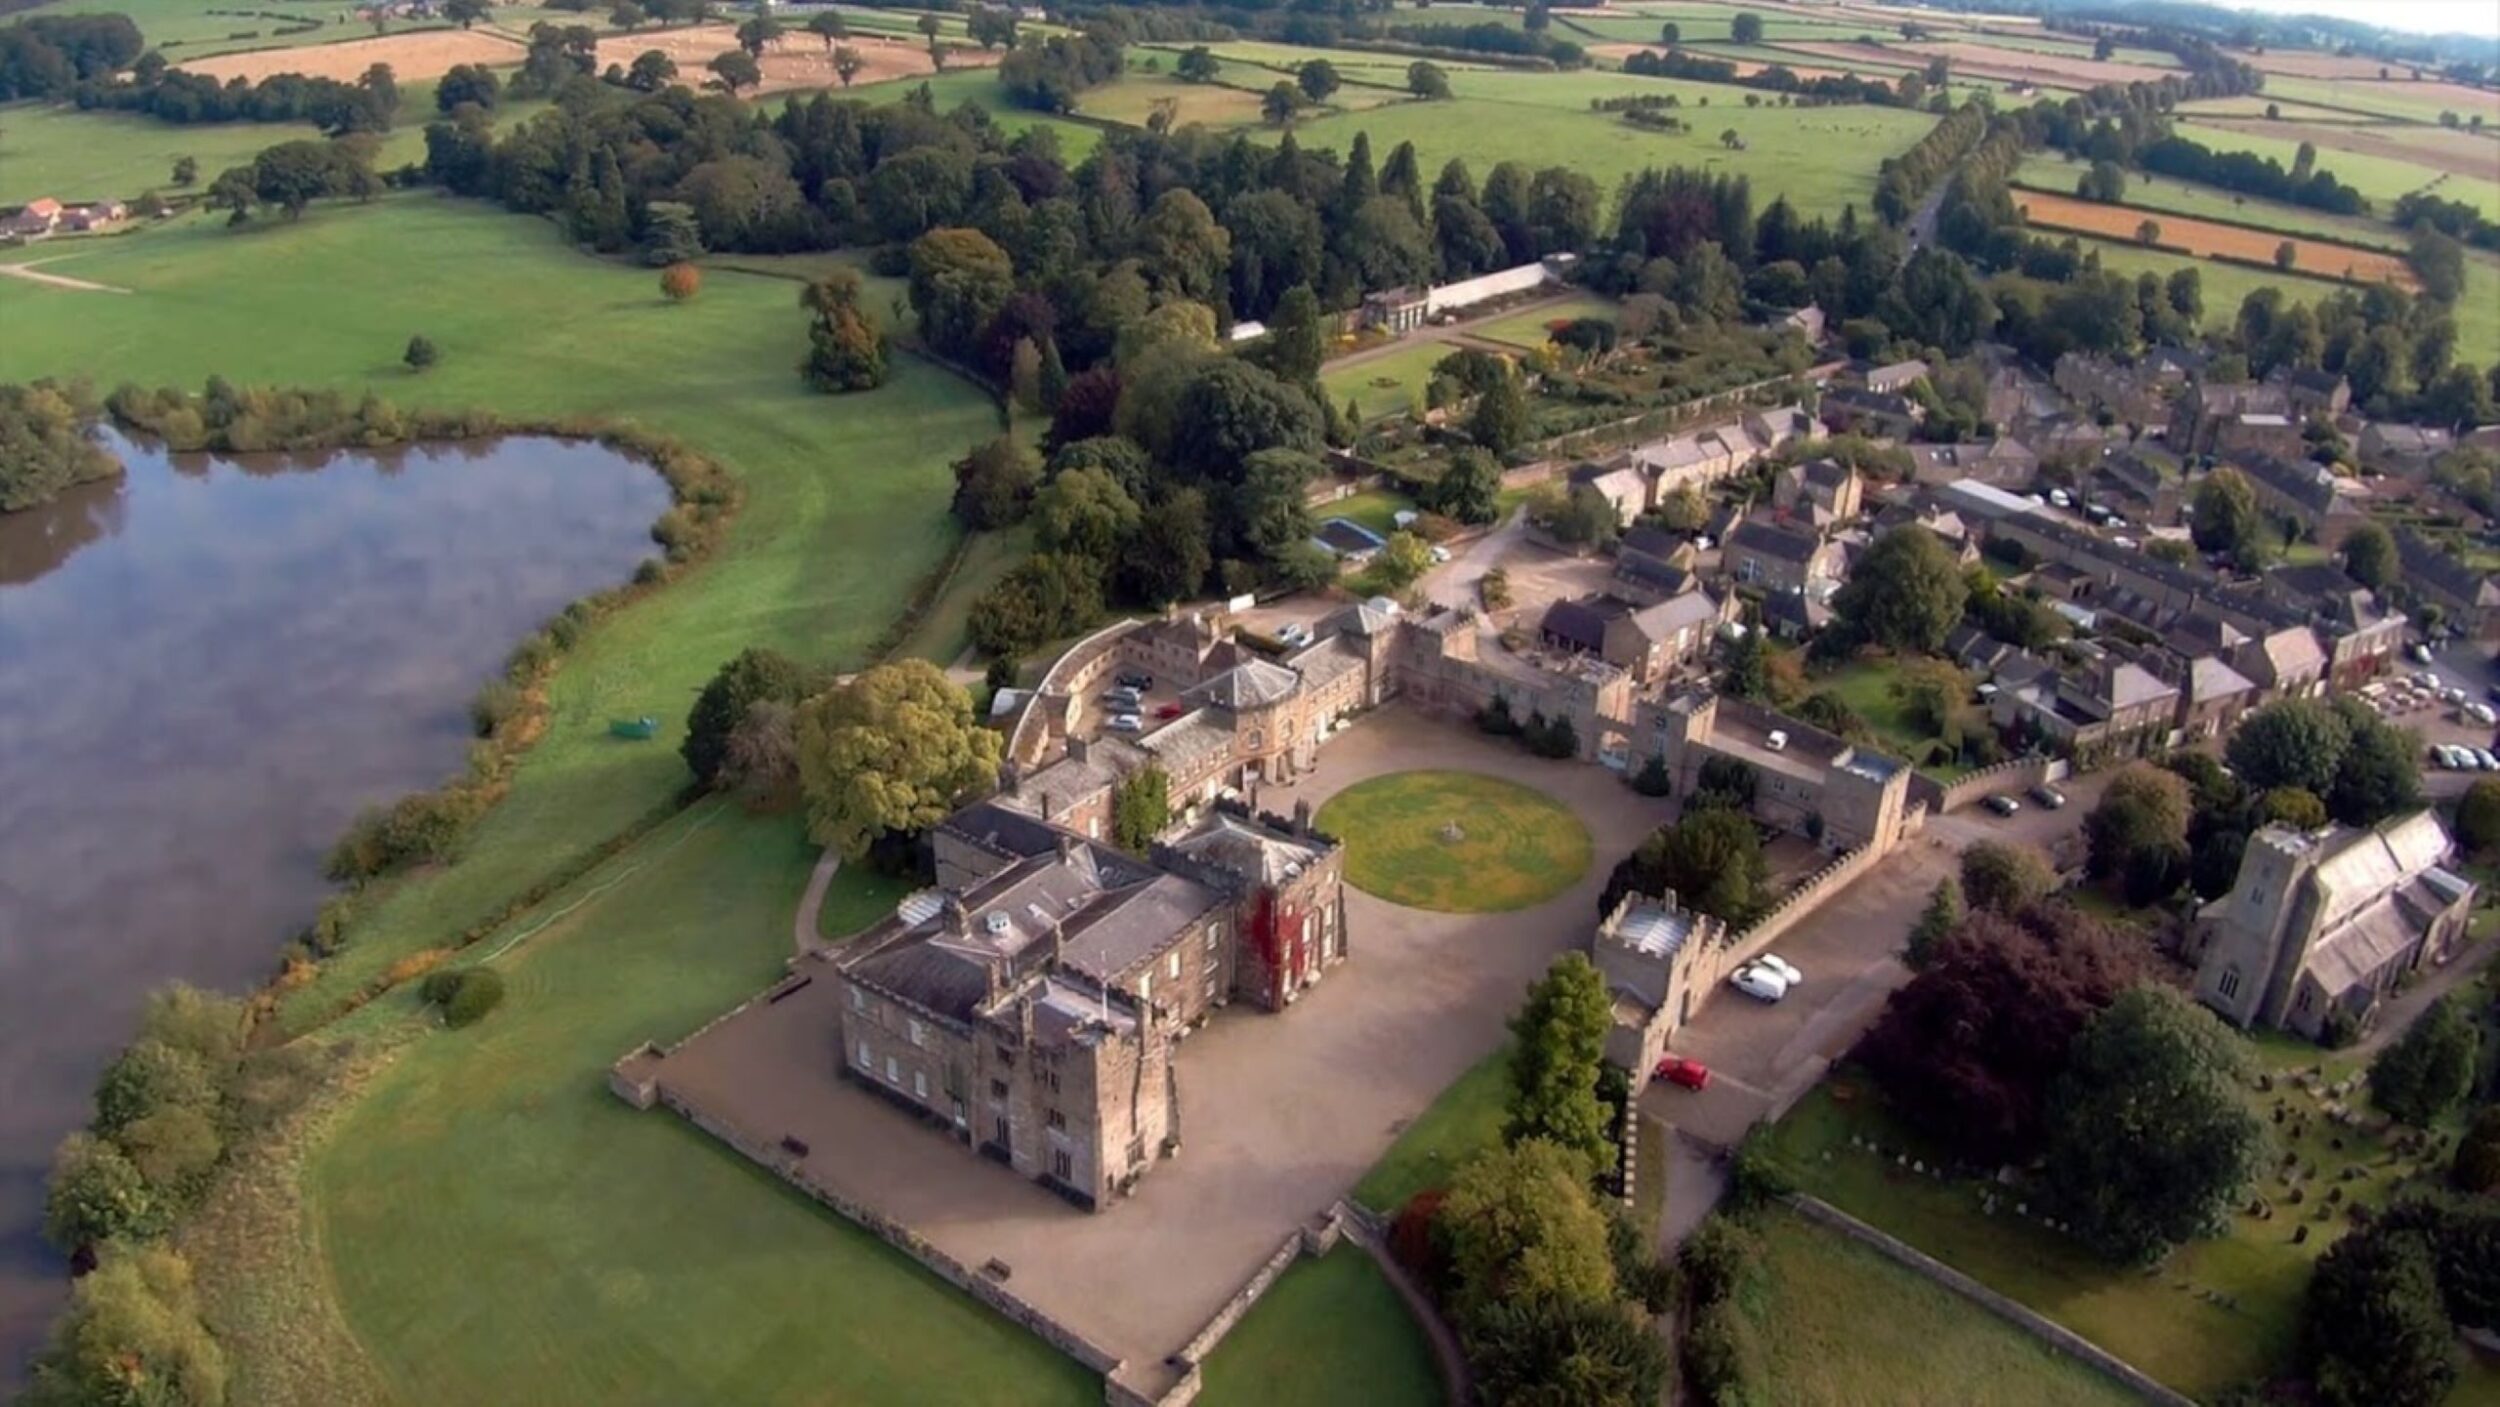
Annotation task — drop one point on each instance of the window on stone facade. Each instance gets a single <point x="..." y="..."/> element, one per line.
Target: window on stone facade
<point x="1053" y="1077"/>
<point x="1212" y="935"/>
<point x="867" y="1061"/>
<point x="998" y="1089"/>
<point x="919" y="1035"/>
<point x="893" y="1071"/>
<point x="1055" y="1119"/>
<point x="1145" y="985"/>
<point x="1062" y="1166"/>
<point x="2308" y="996"/>
<point x="1172" y="968"/>
<point x="919" y="1085"/>
<point x="1006" y="1056"/>
<point x="2229" y="986"/>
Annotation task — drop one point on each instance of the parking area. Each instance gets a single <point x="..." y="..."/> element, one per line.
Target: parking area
<point x="1281" y="1113"/>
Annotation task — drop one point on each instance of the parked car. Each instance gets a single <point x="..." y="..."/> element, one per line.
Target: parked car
<point x="1788" y="971"/>
<point x="1126" y="723"/>
<point x="1170" y="710"/>
<point x="2049" y="797"/>
<point x="2002" y="804"/>
<point x="2419" y="653"/>
<point x="1440" y="553"/>
<point x="1758" y="982"/>
<point x="2444" y="755"/>
<point x="2490" y="761"/>
<point x="1676" y="1070"/>
<point x="2480" y="712"/>
<point x="1777" y="741"/>
<point x="1296" y="634"/>
<point x="1135" y="680"/>
<point x="1123" y="700"/>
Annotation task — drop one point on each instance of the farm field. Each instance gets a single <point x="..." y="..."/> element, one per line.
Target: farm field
<point x="2412" y="102"/>
<point x="638" y="1261"/>
<point x="979" y="87"/>
<point x="2305" y="63"/>
<point x="2164" y="196"/>
<point x="1131" y="98"/>
<point x="1332" y="1333"/>
<point x="2477" y="313"/>
<point x="2057" y="46"/>
<point x="60" y="151"/>
<point x="846" y="495"/>
<point x="2206" y="238"/>
<point x="2463" y="154"/>
<point x="1844" y="1317"/>
<point x="794" y="61"/>
<point x="2380" y="180"/>
<point x="1265" y="62"/>
<point x="1700" y="22"/>
<point x="2255" y="105"/>
<point x="1820" y="158"/>
<point x="419" y="54"/>
<point x="188" y="29"/>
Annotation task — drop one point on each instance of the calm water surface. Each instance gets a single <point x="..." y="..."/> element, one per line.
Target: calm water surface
<point x="205" y="671"/>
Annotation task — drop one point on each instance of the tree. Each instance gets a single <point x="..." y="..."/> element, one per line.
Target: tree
<point x="465" y="13"/>
<point x="2289" y="743"/>
<point x="2148" y="233"/>
<point x="845" y="351"/>
<point x="1746" y="28"/>
<point x="132" y="1335"/>
<point x="1317" y="79"/>
<point x="2227" y="518"/>
<point x="2379" y="775"/>
<point x="1670" y="34"/>
<point x="2370" y="556"/>
<point x="1141" y="806"/>
<point x="2373" y="1331"/>
<point x="757" y="34"/>
<point x="1558" y="1045"/>
<point x="1281" y="103"/>
<point x="1427" y="81"/>
<point x="652" y="71"/>
<point x="828" y="26"/>
<point x="1519" y="1225"/>
<point x="994" y="484"/>
<point x="2286" y="254"/>
<point x="1501" y="421"/>
<point x="1906" y="593"/>
<point x="1710" y="859"/>
<point x="2476" y="1168"/>
<point x="848" y="64"/>
<point x="186" y="170"/>
<point x="1087" y="513"/>
<point x="1047" y="596"/>
<point x="421" y="353"/>
<point x="1197" y="64"/>
<point x="960" y="278"/>
<point x="96" y="1194"/>
<point x="1969" y="1050"/>
<point x="2139" y="831"/>
<point x="1186" y="252"/>
<point x="1297" y="338"/>
<point x="2005" y="877"/>
<point x="991" y="26"/>
<point x="756" y="675"/>
<point x="1942" y="914"/>
<point x="671" y="234"/>
<point x="679" y="282"/>
<point x="2429" y="1070"/>
<point x="734" y="70"/>
<point x="892" y="751"/>
<point x="1402" y="561"/>
<point x="2149" y="1142"/>
<point x="628" y="15"/>
<point x="1533" y="1351"/>
<point x="44" y="443"/>
<point x="1229" y="410"/>
<point x="1469" y="489"/>
<point x="2478" y="817"/>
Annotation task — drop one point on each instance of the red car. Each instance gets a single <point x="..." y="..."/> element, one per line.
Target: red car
<point x="1170" y="710"/>
<point x="1691" y="1074"/>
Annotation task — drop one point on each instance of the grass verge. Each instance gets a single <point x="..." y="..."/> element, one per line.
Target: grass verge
<point x="1331" y="1333"/>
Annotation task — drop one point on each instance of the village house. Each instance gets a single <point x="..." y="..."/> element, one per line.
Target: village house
<point x="1779" y="556"/>
<point x="2325" y="505"/>
<point x="1652" y="564"/>
<point x="2137" y="393"/>
<point x="44" y="217"/>
<point x="1396" y="311"/>
<point x="1823" y="491"/>
<point x="1879" y="415"/>
<point x="2406" y="451"/>
<point x="1650" y="643"/>
<point x="2322" y="924"/>
<point x="2109" y="706"/>
<point x="1895" y="378"/>
<point x="2470" y="599"/>
<point x="2005" y="462"/>
<point x="2311" y="391"/>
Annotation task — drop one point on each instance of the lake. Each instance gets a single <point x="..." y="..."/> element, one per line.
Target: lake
<point x="206" y="670"/>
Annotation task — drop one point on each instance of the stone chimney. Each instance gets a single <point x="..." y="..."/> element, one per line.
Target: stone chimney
<point x="1024" y="1022"/>
<point x="1079" y="749"/>
<point x="1302" y="817"/>
<point x="958" y="919"/>
<point x="1068" y="844"/>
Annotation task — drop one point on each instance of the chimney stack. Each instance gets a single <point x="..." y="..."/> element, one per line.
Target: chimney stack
<point x="1302" y="817"/>
<point x="958" y="919"/>
<point x="1079" y="749"/>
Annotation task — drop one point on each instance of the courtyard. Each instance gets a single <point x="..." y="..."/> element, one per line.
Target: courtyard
<point x="1280" y="1114"/>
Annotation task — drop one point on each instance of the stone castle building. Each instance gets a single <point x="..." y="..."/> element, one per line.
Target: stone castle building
<point x="1029" y="1006"/>
<point x="2320" y="925"/>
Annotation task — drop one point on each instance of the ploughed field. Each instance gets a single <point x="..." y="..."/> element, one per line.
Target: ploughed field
<point x="2209" y="239"/>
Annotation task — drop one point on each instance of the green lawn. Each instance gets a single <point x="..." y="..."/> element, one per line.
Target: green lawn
<point x="498" y="1228"/>
<point x="1867" y="688"/>
<point x="1390" y="384"/>
<point x="1840" y="1318"/>
<point x="1820" y="158"/>
<point x="1377" y="510"/>
<point x="1514" y="846"/>
<point x="2216" y="1313"/>
<point x="1528" y="327"/>
<point x="66" y="153"/>
<point x="2379" y="179"/>
<point x="979" y="87"/>
<point x="858" y="897"/>
<point x="1331" y="1333"/>
<point x="2395" y="99"/>
<point x="846" y="495"/>
<point x="191" y="29"/>
<point x="1466" y="1119"/>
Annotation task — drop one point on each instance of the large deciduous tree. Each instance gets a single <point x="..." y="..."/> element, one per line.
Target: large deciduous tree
<point x="2227" y="518"/>
<point x="1519" y="1225"/>
<point x="132" y="1334"/>
<point x="2149" y="1142"/>
<point x="2374" y="1332"/>
<point x="2290" y="743"/>
<point x="960" y="278"/>
<point x="1558" y="1042"/>
<point x="1906" y="593"/>
<point x="2138" y="834"/>
<point x="892" y="751"/>
<point x="1710" y="859"/>
<point x="756" y="675"/>
<point x="2005" y="877"/>
<point x="2429" y="1070"/>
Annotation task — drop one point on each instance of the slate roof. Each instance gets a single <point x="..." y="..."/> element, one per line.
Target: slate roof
<point x="1250" y="849"/>
<point x="1253" y="683"/>
<point x="1582" y="624"/>
<point x="1768" y="539"/>
<point x="2427" y="562"/>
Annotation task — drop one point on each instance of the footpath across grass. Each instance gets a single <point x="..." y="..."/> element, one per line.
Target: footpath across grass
<point x="499" y="1228"/>
<point x="846" y="495"/>
<point x="1331" y="1333"/>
